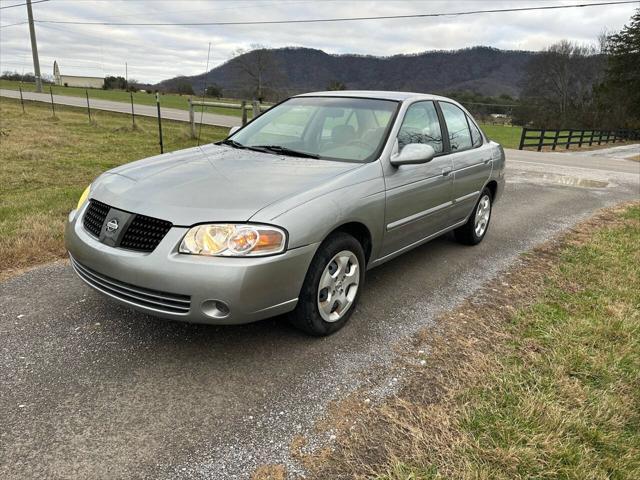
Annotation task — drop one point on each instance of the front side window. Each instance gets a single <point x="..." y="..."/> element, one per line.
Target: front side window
<point x="332" y="128"/>
<point x="456" y="120"/>
<point x="421" y="125"/>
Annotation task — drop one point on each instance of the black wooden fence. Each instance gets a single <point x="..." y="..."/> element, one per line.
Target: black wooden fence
<point x="538" y="138"/>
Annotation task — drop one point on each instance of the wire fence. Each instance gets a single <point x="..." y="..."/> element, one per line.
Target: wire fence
<point x="530" y="137"/>
<point x="256" y="108"/>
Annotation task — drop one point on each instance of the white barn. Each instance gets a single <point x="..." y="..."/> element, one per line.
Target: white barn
<point x="74" y="80"/>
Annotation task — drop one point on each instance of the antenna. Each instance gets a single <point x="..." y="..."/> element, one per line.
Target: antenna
<point x="204" y="92"/>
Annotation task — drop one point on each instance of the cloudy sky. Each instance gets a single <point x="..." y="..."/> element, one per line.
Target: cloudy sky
<point x="155" y="53"/>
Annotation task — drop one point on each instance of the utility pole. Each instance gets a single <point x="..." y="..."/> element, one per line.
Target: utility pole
<point x="126" y="75"/>
<point x="34" y="48"/>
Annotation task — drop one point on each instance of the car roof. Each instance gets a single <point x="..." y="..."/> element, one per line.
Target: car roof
<point x="377" y="94"/>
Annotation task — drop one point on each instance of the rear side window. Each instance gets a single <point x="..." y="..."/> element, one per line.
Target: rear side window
<point x="421" y="125"/>
<point x="459" y="134"/>
<point x="476" y="136"/>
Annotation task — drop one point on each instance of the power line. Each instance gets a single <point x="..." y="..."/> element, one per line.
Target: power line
<point x="65" y="64"/>
<point x="22" y="5"/>
<point x="249" y="3"/>
<point x="342" y="19"/>
<point x="13" y="24"/>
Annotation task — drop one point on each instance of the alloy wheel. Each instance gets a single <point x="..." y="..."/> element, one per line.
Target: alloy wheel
<point x="338" y="286"/>
<point x="483" y="212"/>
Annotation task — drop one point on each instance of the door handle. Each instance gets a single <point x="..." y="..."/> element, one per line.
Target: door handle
<point x="446" y="172"/>
<point x="486" y="160"/>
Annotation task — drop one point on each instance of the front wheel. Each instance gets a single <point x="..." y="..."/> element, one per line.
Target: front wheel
<point x="332" y="286"/>
<point x="472" y="232"/>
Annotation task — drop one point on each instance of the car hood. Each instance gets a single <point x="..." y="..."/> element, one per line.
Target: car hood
<point x="212" y="183"/>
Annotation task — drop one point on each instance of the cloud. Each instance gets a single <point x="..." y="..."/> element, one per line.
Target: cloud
<point x="157" y="53"/>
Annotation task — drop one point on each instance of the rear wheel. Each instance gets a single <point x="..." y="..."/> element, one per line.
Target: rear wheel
<point x="332" y="286"/>
<point x="472" y="232"/>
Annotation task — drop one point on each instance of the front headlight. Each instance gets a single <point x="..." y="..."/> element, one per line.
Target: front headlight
<point x="83" y="197"/>
<point x="233" y="240"/>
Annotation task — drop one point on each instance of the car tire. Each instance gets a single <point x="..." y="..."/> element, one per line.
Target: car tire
<point x="327" y="298"/>
<point x="472" y="232"/>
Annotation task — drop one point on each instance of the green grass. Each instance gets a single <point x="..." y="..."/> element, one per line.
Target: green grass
<point x="566" y="402"/>
<point x="563" y="402"/>
<point x="507" y="136"/>
<point x="166" y="100"/>
<point x="46" y="163"/>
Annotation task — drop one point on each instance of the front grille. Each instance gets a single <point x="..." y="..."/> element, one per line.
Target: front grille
<point x="142" y="234"/>
<point x="145" y="233"/>
<point x="94" y="217"/>
<point x="132" y="294"/>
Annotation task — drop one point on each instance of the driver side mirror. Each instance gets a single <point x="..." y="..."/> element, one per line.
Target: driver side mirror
<point x="412" y="154"/>
<point x="234" y="129"/>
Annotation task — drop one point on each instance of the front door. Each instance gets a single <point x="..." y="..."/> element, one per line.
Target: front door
<point x="418" y="197"/>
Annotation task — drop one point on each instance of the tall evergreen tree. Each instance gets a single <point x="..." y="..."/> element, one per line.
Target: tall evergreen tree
<point x="622" y="82"/>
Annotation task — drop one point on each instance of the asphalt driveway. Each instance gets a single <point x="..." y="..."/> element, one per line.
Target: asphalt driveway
<point x="89" y="389"/>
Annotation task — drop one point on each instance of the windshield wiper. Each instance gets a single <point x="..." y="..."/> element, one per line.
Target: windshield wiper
<point x="285" y="151"/>
<point x="232" y="143"/>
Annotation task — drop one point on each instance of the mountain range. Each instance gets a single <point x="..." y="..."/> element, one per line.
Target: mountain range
<point x="483" y="70"/>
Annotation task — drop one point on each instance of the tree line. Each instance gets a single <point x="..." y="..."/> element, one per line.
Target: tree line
<point x="575" y="86"/>
<point x="567" y="85"/>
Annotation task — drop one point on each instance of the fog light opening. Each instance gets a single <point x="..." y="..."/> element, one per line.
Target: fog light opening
<point x="216" y="309"/>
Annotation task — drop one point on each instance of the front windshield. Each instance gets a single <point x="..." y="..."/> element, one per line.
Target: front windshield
<point x="332" y="128"/>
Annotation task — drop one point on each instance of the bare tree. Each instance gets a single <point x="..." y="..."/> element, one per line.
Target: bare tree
<point x="258" y="70"/>
<point x="559" y="86"/>
<point x="604" y="41"/>
<point x="336" y="85"/>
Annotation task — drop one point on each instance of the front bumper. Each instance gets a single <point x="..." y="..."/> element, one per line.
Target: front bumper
<point x="183" y="287"/>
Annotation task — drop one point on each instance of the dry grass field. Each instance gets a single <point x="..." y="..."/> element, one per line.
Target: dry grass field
<point x="46" y="162"/>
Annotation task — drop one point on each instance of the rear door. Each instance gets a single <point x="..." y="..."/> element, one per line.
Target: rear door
<point x="471" y="158"/>
<point x="418" y="196"/>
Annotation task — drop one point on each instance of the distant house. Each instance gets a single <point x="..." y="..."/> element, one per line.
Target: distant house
<point x="76" y="81"/>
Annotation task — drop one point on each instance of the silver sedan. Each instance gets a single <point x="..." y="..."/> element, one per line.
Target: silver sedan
<point x="287" y="214"/>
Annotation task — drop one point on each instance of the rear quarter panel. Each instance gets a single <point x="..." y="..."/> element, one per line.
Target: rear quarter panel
<point x="499" y="164"/>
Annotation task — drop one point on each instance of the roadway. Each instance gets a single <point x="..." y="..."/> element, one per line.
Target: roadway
<point x="122" y="107"/>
